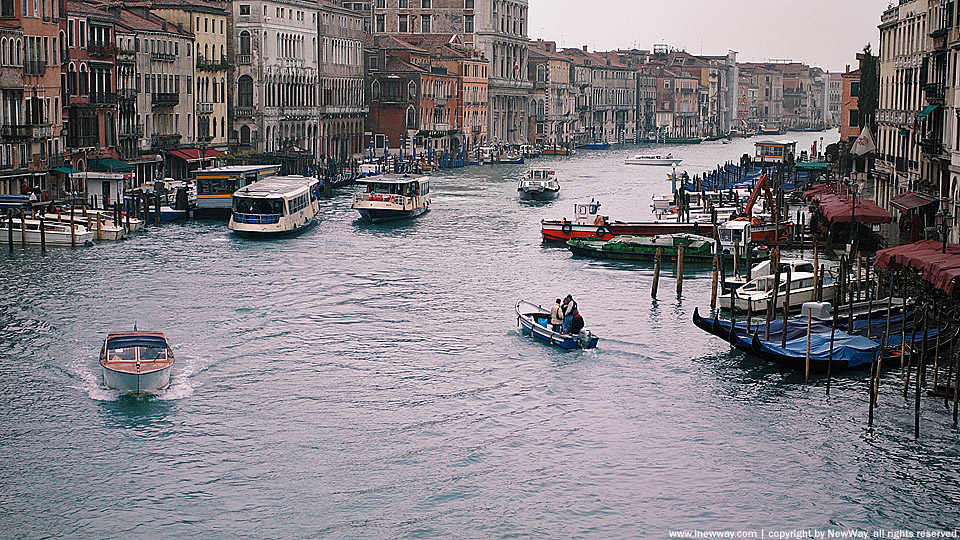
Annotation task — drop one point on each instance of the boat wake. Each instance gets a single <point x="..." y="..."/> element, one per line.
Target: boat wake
<point x="183" y="381"/>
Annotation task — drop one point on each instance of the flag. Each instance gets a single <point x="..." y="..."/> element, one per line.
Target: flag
<point x="864" y="143"/>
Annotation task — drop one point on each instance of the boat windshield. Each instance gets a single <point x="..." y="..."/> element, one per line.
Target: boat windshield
<point x="248" y="205"/>
<point x="132" y="354"/>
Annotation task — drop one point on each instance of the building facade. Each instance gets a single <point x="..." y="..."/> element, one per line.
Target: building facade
<point x="341" y="102"/>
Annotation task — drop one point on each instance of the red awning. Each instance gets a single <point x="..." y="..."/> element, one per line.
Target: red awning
<point x="908" y="201"/>
<point x="816" y="191"/>
<point x="840" y="209"/>
<point x="191" y="155"/>
<point x="940" y="269"/>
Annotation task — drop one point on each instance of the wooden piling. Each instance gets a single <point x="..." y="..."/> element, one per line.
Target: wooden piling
<point x="859" y="277"/>
<point x="920" y="370"/>
<point x="716" y="271"/>
<point x="772" y="304"/>
<point x="749" y="313"/>
<point x="833" y="333"/>
<point x="43" y="235"/>
<point x="680" y="270"/>
<point x="99" y="230"/>
<point x="23" y="228"/>
<point x="736" y="258"/>
<point x="749" y="258"/>
<point x="156" y="217"/>
<point x="656" y="272"/>
<point x="73" y="229"/>
<point x="809" y="325"/>
<point x="10" y="229"/>
<point x="786" y="308"/>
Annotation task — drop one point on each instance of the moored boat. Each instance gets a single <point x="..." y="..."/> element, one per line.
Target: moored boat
<point x="757" y="293"/>
<point x="54" y="233"/>
<point x="641" y="159"/>
<point x="555" y="150"/>
<point x="588" y="223"/>
<point x="644" y="248"/>
<point x="539" y="185"/>
<point x="596" y="145"/>
<point x="511" y="158"/>
<point x="136" y="362"/>
<point x="274" y="206"/>
<point x="682" y="140"/>
<point x="105" y="230"/>
<point x="391" y="197"/>
<point x="534" y="321"/>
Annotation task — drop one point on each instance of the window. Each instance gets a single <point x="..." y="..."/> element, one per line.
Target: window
<point x="374" y="62"/>
<point x="403" y="24"/>
<point x="468" y="4"/>
<point x="244" y="10"/>
<point x="381" y="24"/>
<point x="375" y="90"/>
<point x="425" y="4"/>
<point x="412" y="90"/>
<point x="82" y="37"/>
<point x="403" y="4"/>
<point x="855" y="88"/>
<point x="468" y="24"/>
<point x="425" y="23"/>
<point x="245" y="91"/>
<point x="244" y="42"/>
<point x="854" y="119"/>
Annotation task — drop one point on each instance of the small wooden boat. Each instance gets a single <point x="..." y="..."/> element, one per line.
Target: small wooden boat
<point x="667" y="160"/>
<point x="555" y="150"/>
<point x="136" y="362"/>
<point x="644" y="248"/>
<point x="539" y="185"/>
<point x="534" y="321"/>
<point x="511" y="158"/>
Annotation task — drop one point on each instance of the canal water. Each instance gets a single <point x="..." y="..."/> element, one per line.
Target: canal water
<point x="362" y="381"/>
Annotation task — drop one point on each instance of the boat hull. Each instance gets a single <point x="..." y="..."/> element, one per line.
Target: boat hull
<point x="641" y="256"/>
<point x="136" y="383"/>
<point x="654" y="162"/>
<point x="558" y="231"/>
<point x="52" y="237"/>
<point x="379" y="215"/>
<point x="538" y="194"/>
<point x="278" y="233"/>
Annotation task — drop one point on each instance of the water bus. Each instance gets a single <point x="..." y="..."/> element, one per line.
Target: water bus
<point x="393" y="196"/>
<point x="215" y="187"/>
<point x="274" y="206"/>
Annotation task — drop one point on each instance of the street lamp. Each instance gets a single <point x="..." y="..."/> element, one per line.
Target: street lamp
<point x="944" y="215"/>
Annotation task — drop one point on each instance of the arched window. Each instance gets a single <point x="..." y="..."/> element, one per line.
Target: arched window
<point x="541" y="73"/>
<point x="72" y="79"/>
<point x="411" y="117"/>
<point x="244" y="43"/>
<point x="84" y="80"/>
<point x="244" y="134"/>
<point x="412" y="90"/>
<point x="245" y="91"/>
<point x="206" y="52"/>
<point x="3" y="51"/>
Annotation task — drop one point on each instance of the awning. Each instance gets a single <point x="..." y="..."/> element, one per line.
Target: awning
<point x="942" y="270"/>
<point x="841" y="209"/>
<point x="927" y="110"/>
<point x="109" y="165"/>
<point x="64" y="170"/>
<point x="192" y="155"/>
<point x="908" y="201"/>
<point x="812" y="165"/>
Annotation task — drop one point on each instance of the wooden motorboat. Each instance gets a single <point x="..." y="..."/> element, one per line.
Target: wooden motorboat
<point x="54" y="233"/>
<point x="534" y="321"/>
<point x="136" y="362"/>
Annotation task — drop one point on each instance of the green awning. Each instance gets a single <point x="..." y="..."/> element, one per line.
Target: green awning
<point x="109" y="165"/>
<point x="64" y="170"/>
<point x="812" y="165"/>
<point x="929" y="109"/>
<point x="904" y="133"/>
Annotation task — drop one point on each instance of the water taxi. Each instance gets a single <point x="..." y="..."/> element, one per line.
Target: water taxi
<point x="667" y="160"/>
<point x="539" y="185"/>
<point x="393" y="196"/>
<point x="136" y="362"/>
<point x="275" y="205"/>
<point x="487" y="154"/>
<point x="54" y="233"/>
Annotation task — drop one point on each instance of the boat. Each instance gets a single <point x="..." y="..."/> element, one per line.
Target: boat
<point x="640" y="159"/>
<point x="539" y="185"/>
<point x="682" y="140"/>
<point x="215" y="187"/>
<point x="136" y="362"/>
<point x="106" y="229"/>
<point x="55" y="233"/>
<point x="555" y="150"/>
<point x="393" y="196"/>
<point x="756" y="294"/>
<point x="534" y="321"/>
<point x="529" y="151"/>
<point x="274" y="206"/>
<point x="696" y="248"/>
<point x="369" y="169"/>
<point x="596" y="145"/>
<point x="511" y="158"/>
<point x="588" y="223"/>
<point x="487" y="154"/>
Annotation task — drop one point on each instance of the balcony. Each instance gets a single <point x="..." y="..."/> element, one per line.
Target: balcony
<point x="686" y="90"/>
<point x="102" y="50"/>
<point x="83" y="141"/>
<point x="34" y="68"/>
<point x="56" y="160"/>
<point x="165" y="141"/>
<point x="162" y="57"/>
<point x="439" y="102"/>
<point x="932" y="147"/>
<point x="212" y="65"/>
<point x="244" y="59"/>
<point x="131" y="131"/>
<point x="128" y="94"/>
<point x="243" y="112"/>
<point x="934" y="93"/>
<point x="125" y="57"/>
<point x="165" y="99"/>
<point x="476" y="129"/>
<point x="204" y="108"/>
<point x="16" y="131"/>
<point x="42" y="131"/>
<point x="103" y="98"/>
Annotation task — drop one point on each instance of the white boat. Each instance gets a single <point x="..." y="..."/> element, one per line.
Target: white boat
<point x="667" y="160"/>
<point x="106" y="230"/>
<point x="757" y="293"/>
<point x="392" y="196"/>
<point x="55" y="233"/>
<point x="136" y="362"/>
<point x="539" y="185"/>
<point x="275" y="205"/>
<point x="487" y="154"/>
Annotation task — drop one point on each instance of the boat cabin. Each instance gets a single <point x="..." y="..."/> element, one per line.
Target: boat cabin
<point x="774" y="151"/>
<point x="269" y="200"/>
<point x="135" y="348"/>
<point x="404" y="186"/>
<point x="588" y="213"/>
<point x="540" y="174"/>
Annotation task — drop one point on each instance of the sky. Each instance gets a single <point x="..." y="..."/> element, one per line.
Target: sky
<point x="824" y="33"/>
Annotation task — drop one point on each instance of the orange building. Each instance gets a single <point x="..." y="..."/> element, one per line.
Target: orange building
<point x="849" y="106"/>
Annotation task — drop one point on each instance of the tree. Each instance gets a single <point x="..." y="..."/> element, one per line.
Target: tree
<point x="869" y="89"/>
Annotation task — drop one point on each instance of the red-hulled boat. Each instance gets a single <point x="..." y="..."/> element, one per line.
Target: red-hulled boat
<point x="588" y="223"/>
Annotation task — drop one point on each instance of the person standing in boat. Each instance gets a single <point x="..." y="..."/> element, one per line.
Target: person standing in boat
<point x="556" y="317"/>
<point x="569" y="310"/>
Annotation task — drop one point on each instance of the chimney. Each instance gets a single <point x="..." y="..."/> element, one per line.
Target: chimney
<point x="585" y="48"/>
<point x="848" y="68"/>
